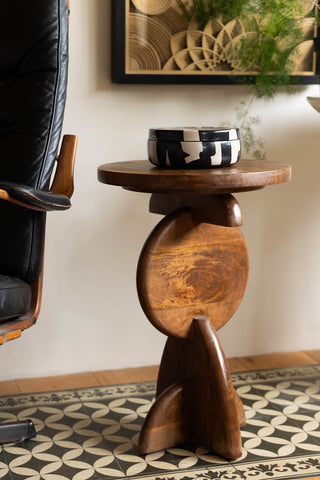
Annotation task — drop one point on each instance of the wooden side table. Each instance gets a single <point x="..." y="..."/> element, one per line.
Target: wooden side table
<point x="192" y="274"/>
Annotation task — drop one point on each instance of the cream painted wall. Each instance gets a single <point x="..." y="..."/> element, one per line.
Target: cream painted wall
<point x="91" y="318"/>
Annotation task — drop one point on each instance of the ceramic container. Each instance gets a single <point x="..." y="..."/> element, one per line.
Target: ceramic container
<point x="192" y="147"/>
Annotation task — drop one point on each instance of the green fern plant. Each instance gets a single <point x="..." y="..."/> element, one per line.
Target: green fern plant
<point x="268" y="48"/>
<point x="252" y="145"/>
<point x="204" y="10"/>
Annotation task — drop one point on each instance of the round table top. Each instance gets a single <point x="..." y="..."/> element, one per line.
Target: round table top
<point x="141" y="176"/>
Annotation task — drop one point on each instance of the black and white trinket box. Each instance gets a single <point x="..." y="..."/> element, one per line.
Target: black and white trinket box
<point x="193" y="147"/>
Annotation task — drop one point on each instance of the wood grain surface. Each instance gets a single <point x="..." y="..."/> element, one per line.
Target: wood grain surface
<point x="195" y="399"/>
<point x="191" y="277"/>
<point x="220" y="209"/>
<point x="63" y="180"/>
<point x="189" y="269"/>
<point x="246" y="175"/>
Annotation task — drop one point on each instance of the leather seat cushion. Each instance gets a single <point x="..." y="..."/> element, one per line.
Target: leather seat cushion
<point x="15" y="297"/>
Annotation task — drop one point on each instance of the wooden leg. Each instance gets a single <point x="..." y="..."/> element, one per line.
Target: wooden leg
<point x="195" y="397"/>
<point x="169" y="420"/>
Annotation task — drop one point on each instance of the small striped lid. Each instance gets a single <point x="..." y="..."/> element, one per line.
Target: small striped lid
<point x="194" y="134"/>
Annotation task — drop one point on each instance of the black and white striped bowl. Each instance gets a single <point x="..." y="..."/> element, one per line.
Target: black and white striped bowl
<point x="193" y="147"/>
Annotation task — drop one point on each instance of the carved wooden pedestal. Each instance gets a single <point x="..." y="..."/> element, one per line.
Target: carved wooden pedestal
<point x="192" y="275"/>
<point x="191" y="278"/>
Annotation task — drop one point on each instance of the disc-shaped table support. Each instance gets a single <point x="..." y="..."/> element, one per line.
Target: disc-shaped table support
<point x="192" y="274"/>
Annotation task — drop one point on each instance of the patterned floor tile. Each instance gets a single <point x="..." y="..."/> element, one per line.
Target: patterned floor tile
<point x="275" y="424"/>
<point x="289" y="468"/>
<point x="258" y="376"/>
<point x="67" y="445"/>
<point x="117" y="391"/>
<point x="4" y="469"/>
<point x="93" y="433"/>
<point x="282" y="417"/>
<point x="120" y="420"/>
<point x="223" y="473"/>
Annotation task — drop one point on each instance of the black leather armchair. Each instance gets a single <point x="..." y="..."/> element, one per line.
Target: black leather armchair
<point x="33" y="79"/>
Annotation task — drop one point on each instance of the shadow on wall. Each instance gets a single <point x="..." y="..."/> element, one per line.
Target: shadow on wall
<point x="118" y="236"/>
<point x="101" y="26"/>
<point x="282" y="229"/>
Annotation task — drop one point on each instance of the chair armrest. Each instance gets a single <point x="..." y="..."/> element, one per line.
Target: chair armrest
<point x="33" y="198"/>
<point x="58" y="197"/>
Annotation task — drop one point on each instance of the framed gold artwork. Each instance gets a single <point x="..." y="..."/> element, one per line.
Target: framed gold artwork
<point x="153" y="42"/>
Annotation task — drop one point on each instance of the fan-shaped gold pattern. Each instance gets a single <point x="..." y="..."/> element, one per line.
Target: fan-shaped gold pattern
<point x="153" y="7"/>
<point x="215" y="49"/>
<point x="160" y="40"/>
<point x="210" y="50"/>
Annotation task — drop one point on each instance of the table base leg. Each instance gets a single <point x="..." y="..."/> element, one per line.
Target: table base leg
<point x="195" y="400"/>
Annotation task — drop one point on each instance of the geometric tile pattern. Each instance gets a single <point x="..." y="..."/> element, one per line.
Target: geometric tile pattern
<point x="93" y="433"/>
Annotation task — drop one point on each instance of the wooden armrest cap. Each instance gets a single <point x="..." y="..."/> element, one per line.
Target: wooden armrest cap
<point x="33" y="198"/>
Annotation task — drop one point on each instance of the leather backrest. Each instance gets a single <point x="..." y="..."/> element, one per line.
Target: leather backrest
<point x="33" y="78"/>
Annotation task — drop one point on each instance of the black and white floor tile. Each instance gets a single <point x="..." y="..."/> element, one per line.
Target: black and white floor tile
<point x="93" y="433"/>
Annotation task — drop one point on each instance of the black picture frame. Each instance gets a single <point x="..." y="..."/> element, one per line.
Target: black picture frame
<point x="120" y="75"/>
